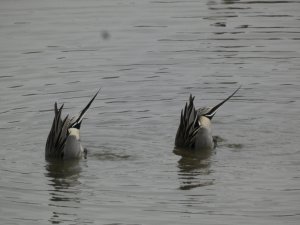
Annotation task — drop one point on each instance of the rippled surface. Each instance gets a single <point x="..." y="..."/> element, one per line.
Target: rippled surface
<point x="148" y="56"/>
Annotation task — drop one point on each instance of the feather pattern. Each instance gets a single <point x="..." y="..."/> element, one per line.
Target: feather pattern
<point x="189" y="126"/>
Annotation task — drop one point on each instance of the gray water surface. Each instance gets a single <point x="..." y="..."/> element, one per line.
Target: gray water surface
<point x="148" y="56"/>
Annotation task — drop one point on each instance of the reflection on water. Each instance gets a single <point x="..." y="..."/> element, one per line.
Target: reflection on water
<point x="194" y="167"/>
<point x="64" y="178"/>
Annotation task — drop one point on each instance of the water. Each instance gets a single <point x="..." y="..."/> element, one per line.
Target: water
<point x="147" y="56"/>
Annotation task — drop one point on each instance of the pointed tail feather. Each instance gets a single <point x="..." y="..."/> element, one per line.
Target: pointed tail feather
<point x="213" y="111"/>
<point x="78" y="121"/>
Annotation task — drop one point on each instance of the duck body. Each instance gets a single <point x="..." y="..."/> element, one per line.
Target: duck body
<point x="63" y="140"/>
<point x="194" y="131"/>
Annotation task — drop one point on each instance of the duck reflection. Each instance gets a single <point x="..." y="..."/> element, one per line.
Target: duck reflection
<point x="65" y="196"/>
<point x="194" y="168"/>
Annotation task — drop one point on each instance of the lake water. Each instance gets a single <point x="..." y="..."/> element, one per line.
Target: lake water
<point x="147" y="56"/>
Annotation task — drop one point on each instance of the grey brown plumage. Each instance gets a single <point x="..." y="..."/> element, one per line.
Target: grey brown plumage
<point x="194" y="131"/>
<point x="63" y="141"/>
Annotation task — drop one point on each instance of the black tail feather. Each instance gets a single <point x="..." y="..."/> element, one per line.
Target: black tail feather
<point x="78" y="121"/>
<point x="213" y="111"/>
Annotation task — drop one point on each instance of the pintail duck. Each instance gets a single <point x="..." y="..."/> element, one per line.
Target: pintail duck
<point x="194" y="131"/>
<point x="63" y="141"/>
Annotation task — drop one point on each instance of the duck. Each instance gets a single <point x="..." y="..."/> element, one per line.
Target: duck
<point x="63" y="140"/>
<point x="194" y="131"/>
